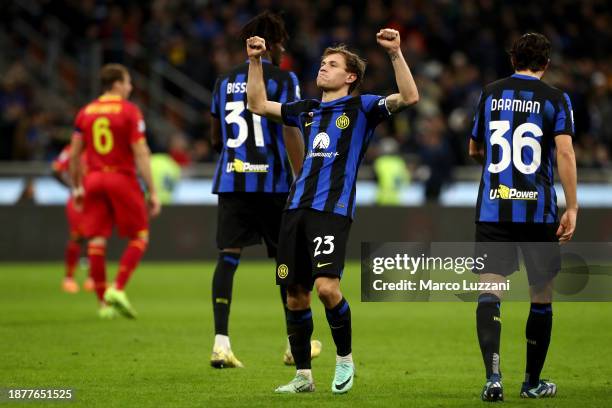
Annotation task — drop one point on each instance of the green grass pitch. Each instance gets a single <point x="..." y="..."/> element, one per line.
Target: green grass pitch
<point x="407" y="354"/>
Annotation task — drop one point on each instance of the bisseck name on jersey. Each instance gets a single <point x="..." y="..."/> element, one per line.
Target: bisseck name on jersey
<point x="507" y="193"/>
<point x="236" y="87"/>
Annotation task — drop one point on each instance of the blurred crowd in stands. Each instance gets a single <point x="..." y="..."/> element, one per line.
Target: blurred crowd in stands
<point x="453" y="47"/>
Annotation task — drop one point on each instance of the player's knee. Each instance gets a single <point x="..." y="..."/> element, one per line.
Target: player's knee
<point x="142" y="235"/>
<point x="328" y="291"/>
<point x="98" y="241"/>
<point x="140" y="240"/>
<point x="541" y="297"/>
<point x="298" y="298"/>
<point x="139" y="243"/>
<point x="235" y="251"/>
<point x="298" y="303"/>
<point x="541" y="293"/>
<point x="497" y="293"/>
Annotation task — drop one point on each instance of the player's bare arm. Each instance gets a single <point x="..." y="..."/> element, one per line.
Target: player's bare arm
<point x="257" y="100"/>
<point x="142" y="156"/>
<point x="566" y="163"/>
<point x="476" y="151"/>
<point x="294" y="144"/>
<point x="76" y="173"/>
<point x="408" y="94"/>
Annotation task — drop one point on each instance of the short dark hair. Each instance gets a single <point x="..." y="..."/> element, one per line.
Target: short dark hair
<point x="531" y="51"/>
<point x="354" y="63"/>
<point x="267" y="25"/>
<point x="111" y="73"/>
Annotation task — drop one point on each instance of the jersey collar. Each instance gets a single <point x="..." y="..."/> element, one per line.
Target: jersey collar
<point x="264" y="60"/>
<point x="335" y="101"/>
<point x="104" y="98"/>
<point x="527" y="77"/>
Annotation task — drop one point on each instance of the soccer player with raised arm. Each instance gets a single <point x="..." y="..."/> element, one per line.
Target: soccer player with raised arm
<point x="321" y="204"/>
<point x="253" y="174"/>
<point x="111" y="131"/>
<point x="520" y="125"/>
<point x="61" y="171"/>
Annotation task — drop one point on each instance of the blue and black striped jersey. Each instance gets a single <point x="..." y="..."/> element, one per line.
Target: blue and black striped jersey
<point x="336" y="136"/>
<point x="253" y="157"/>
<point x="518" y="119"/>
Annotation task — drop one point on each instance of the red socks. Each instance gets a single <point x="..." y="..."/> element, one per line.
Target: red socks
<point x="71" y="257"/>
<point x="129" y="260"/>
<point x="97" y="266"/>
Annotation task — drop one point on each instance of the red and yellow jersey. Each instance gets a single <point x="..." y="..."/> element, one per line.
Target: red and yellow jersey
<point x="62" y="163"/>
<point x="109" y="126"/>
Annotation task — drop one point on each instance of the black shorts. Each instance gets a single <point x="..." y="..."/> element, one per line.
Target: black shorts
<point x="539" y="244"/>
<point x="243" y="219"/>
<point x="312" y="243"/>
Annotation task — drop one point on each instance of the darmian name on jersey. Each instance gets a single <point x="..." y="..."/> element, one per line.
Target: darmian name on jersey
<point x="515" y="105"/>
<point x="239" y="166"/>
<point x="506" y="193"/>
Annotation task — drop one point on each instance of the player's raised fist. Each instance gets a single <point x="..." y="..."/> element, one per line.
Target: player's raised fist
<point x="389" y="39"/>
<point x="256" y="46"/>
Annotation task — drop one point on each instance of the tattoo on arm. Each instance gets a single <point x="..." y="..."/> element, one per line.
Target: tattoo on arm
<point x="394" y="56"/>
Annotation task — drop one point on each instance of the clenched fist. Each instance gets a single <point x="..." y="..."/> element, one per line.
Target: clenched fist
<point x="256" y="46"/>
<point x="389" y="39"/>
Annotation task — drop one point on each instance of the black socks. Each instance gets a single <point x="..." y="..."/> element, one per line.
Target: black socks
<point x="299" y="331"/>
<point x="488" y="326"/>
<point x="339" y="319"/>
<point x="537" y="332"/>
<point x="223" y="280"/>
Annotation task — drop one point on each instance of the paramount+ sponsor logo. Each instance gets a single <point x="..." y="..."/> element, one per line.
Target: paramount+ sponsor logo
<point x="320" y="143"/>
<point x="506" y="193"/>
<point x="239" y="166"/>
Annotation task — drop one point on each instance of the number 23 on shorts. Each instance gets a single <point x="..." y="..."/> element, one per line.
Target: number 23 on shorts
<point x="324" y="245"/>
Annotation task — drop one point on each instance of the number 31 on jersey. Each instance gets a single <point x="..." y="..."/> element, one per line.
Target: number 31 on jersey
<point x="235" y="110"/>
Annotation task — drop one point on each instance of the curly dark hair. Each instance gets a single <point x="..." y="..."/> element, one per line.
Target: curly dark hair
<point x="269" y="26"/>
<point x="531" y="51"/>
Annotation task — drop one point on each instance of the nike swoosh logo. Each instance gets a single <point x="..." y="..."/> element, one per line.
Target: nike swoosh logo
<point x="341" y="386"/>
<point x="320" y="265"/>
<point x="308" y="124"/>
